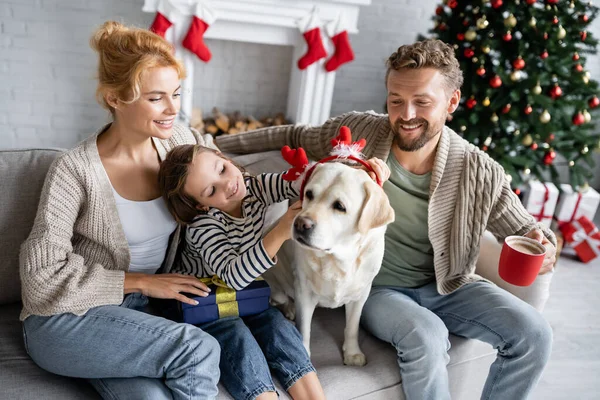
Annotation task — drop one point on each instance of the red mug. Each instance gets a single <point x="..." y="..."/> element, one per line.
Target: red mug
<point x="521" y="260"/>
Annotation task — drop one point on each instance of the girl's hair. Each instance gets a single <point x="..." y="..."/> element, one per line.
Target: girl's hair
<point x="124" y="54"/>
<point x="172" y="176"/>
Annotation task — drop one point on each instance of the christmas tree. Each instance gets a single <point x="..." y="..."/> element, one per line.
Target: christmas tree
<point x="527" y="96"/>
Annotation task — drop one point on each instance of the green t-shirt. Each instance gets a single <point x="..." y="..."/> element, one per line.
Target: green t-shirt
<point x="408" y="257"/>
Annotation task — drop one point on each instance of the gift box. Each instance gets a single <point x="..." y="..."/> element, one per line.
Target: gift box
<point x="226" y="302"/>
<point x="540" y="200"/>
<point x="573" y="205"/>
<point x="584" y="237"/>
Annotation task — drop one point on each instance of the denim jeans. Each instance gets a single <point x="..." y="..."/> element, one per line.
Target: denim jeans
<point x="417" y="322"/>
<point x="127" y="353"/>
<point x="250" y="345"/>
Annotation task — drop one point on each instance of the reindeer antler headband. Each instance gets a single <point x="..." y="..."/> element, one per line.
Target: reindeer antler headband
<point x="343" y="149"/>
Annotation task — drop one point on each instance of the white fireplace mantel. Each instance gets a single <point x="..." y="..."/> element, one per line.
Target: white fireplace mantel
<point x="272" y="22"/>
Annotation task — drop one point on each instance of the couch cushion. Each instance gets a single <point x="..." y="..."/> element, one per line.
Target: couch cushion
<point x="22" y="174"/>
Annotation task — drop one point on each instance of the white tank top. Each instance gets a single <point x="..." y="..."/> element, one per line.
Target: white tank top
<point x="147" y="226"/>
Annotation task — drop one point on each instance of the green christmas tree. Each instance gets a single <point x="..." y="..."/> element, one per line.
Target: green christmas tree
<point x="527" y="96"/>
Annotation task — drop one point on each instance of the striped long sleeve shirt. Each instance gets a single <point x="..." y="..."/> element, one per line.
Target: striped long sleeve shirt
<point x="232" y="248"/>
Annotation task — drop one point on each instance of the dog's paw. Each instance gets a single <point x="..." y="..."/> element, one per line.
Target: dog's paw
<point x="357" y="359"/>
<point x="289" y="310"/>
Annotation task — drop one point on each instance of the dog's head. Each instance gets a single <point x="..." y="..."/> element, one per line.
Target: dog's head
<point x="340" y="203"/>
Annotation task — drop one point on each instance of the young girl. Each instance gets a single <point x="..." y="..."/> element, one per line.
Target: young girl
<point x="224" y="209"/>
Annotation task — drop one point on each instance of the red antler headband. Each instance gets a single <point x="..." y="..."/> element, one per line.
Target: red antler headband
<point x="343" y="149"/>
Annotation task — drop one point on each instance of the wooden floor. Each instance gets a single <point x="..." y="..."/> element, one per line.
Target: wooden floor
<point x="573" y="311"/>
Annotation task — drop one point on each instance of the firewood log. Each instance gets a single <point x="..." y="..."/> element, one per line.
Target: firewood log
<point x="221" y="120"/>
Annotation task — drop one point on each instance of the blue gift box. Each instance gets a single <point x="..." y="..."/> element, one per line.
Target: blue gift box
<point x="226" y="302"/>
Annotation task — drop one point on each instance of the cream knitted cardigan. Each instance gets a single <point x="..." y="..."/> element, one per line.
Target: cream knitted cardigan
<point x="76" y="255"/>
<point x="469" y="192"/>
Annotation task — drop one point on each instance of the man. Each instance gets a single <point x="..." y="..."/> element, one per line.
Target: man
<point x="445" y="193"/>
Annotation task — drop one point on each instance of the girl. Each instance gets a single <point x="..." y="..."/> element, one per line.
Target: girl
<point x="225" y="212"/>
<point x="87" y="268"/>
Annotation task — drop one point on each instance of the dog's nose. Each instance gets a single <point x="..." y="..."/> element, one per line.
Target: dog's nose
<point x="303" y="224"/>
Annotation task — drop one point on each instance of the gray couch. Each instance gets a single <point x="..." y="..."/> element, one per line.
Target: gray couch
<point x="21" y="177"/>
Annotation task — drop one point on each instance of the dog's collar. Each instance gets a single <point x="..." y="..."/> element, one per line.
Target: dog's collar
<point x="335" y="158"/>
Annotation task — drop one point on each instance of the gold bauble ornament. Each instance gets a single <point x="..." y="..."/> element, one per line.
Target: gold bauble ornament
<point x="571" y="163"/>
<point x="486" y="102"/>
<point x="586" y="116"/>
<point x="585" y="79"/>
<point x="475" y="59"/>
<point x="510" y="21"/>
<point x="456" y="47"/>
<point x="486" y="49"/>
<point x="545" y="117"/>
<point x="517" y="132"/>
<point x="526" y="171"/>
<point x="482" y="23"/>
<point x="537" y="89"/>
<point x="532" y="22"/>
<point x="463" y="128"/>
<point x="494" y="117"/>
<point x="488" y="141"/>
<point x="587" y="74"/>
<point x="548" y="7"/>
<point x="527" y="140"/>
<point x="561" y="32"/>
<point x="571" y="5"/>
<point x="508" y="178"/>
<point x="585" y="150"/>
<point x="470" y="35"/>
<point x="516" y="76"/>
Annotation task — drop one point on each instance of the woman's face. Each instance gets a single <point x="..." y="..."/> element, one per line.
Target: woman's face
<point x="153" y="114"/>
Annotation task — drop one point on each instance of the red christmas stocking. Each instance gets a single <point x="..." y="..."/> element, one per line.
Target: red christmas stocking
<point x="338" y="31"/>
<point x="343" y="52"/>
<point x="160" y="24"/>
<point x="194" y="39"/>
<point x="309" y="26"/>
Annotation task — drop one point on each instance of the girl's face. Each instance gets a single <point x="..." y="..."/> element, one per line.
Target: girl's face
<point x="153" y="114"/>
<point x="215" y="182"/>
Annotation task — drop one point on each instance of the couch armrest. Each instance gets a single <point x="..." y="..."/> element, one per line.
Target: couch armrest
<point x="487" y="266"/>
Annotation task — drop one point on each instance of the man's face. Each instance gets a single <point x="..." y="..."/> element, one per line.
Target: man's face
<point x="418" y="104"/>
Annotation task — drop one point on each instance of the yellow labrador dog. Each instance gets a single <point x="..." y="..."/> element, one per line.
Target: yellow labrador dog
<point x="338" y="248"/>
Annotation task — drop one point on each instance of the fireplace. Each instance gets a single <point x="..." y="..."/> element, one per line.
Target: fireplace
<point x="273" y="22"/>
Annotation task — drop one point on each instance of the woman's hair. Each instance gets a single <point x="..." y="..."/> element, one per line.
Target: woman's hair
<point x="124" y="54"/>
<point x="429" y="53"/>
<point x="172" y="176"/>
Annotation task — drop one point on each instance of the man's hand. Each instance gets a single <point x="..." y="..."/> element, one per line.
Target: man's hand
<point x="380" y="168"/>
<point x="550" y="257"/>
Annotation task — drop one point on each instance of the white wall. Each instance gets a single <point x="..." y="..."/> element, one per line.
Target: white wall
<point x="47" y="67"/>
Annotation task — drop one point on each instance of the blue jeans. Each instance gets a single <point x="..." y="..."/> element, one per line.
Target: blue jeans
<point x="250" y="345"/>
<point x="127" y="353"/>
<point x="417" y="322"/>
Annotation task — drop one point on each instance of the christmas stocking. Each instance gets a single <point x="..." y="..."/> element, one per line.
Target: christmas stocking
<point x="312" y="35"/>
<point x="194" y="39"/>
<point x="164" y="15"/>
<point x="338" y="31"/>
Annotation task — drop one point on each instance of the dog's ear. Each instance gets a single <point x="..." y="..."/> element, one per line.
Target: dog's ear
<point x="376" y="210"/>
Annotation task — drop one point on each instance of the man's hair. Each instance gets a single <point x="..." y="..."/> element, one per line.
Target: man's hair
<point x="172" y="176"/>
<point x="429" y="53"/>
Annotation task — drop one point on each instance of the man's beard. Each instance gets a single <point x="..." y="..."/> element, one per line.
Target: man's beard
<point x="429" y="132"/>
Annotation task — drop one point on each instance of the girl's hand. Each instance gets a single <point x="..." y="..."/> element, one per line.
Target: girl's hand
<point x="166" y="286"/>
<point x="285" y="223"/>
<point x="380" y="168"/>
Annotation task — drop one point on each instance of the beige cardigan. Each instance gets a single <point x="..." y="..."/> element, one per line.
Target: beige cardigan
<point x="76" y="255"/>
<point x="469" y="192"/>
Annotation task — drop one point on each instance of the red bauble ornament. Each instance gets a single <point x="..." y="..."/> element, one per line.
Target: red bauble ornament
<point x="530" y="2"/>
<point x="452" y="3"/>
<point x="584" y="18"/>
<point x="519" y="63"/>
<point x="469" y="53"/>
<point x="484" y="148"/>
<point x="552" y="1"/>
<point x="583" y="35"/>
<point x="555" y="20"/>
<point x="544" y="55"/>
<point x="518" y="191"/>
<point x="578" y="67"/>
<point x="471" y="103"/>
<point x="575" y="56"/>
<point x="556" y="92"/>
<point x="506" y="109"/>
<point x="442" y="26"/>
<point x="439" y="10"/>
<point x="466" y="22"/>
<point x="528" y="110"/>
<point x="548" y="159"/>
<point x="578" y="119"/>
<point x="496" y="3"/>
<point x="545" y="35"/>
<point x="480" y="71"/>
<point x="460" y="36"/>
<point x="495" y="82"/>
<point x="507" y="37"/>
<point x="594" y="102"/>
<point x="534" y="146"/>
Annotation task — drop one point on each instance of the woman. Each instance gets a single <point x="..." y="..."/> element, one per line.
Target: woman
<point x="102" y="231"/>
